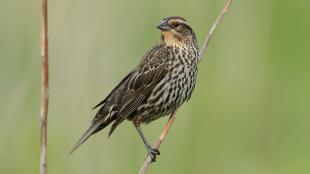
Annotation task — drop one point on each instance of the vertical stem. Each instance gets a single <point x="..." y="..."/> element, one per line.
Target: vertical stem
<point x="44" y="94"/>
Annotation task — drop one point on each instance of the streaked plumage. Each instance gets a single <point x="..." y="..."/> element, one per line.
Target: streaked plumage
<point x="162" y="82"/>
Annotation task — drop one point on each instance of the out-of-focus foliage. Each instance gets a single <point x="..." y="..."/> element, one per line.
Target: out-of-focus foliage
<point x="250" y="112"/>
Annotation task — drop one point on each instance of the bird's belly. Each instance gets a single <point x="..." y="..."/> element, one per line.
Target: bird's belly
<point x="170" y="93"/>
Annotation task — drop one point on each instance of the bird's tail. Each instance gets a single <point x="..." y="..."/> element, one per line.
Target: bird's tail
<point x="95" y="127"/>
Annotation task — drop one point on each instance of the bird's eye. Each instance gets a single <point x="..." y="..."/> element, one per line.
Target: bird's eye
<point x="175" y="25"/>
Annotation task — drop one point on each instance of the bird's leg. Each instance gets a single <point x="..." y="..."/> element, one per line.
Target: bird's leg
<point x="151" y="151"/>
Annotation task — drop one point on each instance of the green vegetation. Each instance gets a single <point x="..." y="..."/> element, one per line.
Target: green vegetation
<point x="249" y="114"/>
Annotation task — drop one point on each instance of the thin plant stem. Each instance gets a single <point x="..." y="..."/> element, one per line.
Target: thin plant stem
<point x="44" y="94"/>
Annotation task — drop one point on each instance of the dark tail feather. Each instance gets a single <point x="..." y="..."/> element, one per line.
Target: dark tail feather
<point x="95" y="127"/>
<point x="114" y="125"/>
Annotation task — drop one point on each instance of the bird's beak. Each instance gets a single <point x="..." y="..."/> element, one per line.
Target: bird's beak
<point x="164" y="26"/>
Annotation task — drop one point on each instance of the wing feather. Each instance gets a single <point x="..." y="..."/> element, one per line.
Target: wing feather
<point x="149" y="73"/>
<point x="115" y="88"/>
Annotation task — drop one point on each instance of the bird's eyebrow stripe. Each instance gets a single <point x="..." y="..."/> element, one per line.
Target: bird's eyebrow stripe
<point x="179" y="21"/>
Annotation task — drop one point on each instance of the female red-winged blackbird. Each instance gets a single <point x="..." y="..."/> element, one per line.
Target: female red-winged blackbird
<point x="161" y="83"/>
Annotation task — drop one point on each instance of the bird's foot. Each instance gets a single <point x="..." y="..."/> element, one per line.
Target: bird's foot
<point x="152" y="153"/>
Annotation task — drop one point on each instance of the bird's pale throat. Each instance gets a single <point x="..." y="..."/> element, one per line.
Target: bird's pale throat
<point x="169" y="38"/>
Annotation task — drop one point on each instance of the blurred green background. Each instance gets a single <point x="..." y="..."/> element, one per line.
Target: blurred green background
<point x="249" y="114"/>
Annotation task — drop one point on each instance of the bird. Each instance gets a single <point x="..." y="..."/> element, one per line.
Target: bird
<point x="163" y="80"/>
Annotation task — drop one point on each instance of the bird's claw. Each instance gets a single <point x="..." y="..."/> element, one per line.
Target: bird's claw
<point x="152" y="153"/>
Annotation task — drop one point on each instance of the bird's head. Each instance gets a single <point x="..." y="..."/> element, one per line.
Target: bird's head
<point x="175" y="30"/>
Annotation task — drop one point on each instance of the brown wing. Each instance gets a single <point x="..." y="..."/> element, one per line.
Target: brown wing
<point x="151" y="70"/>
<point x="119" y="84"/>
